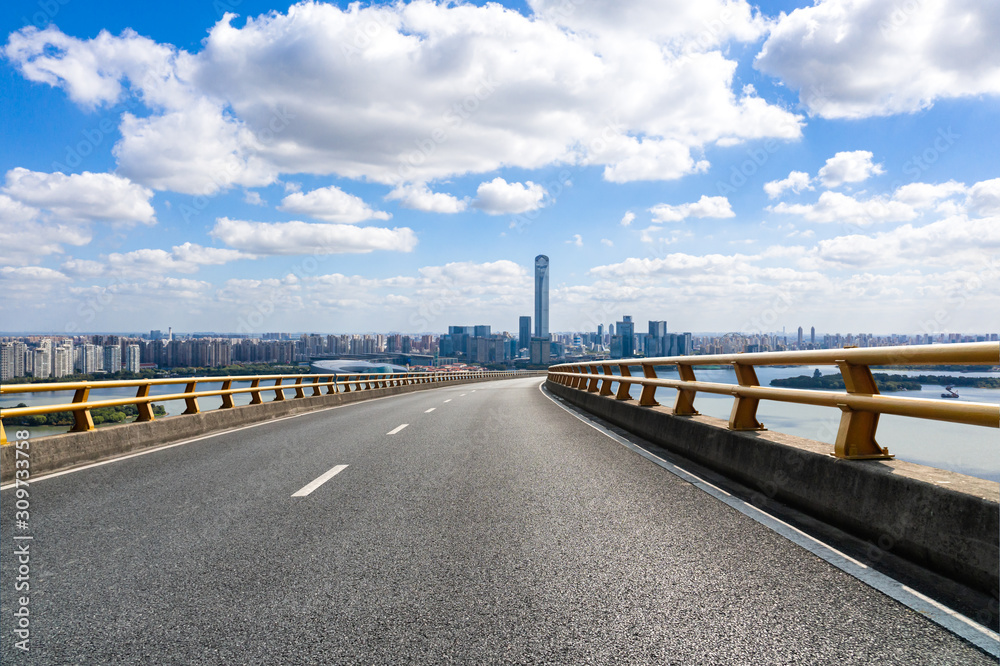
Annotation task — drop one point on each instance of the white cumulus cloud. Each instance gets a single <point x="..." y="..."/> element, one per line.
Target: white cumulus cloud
<point x="283" y="238"/>
<point x="185" y="258"/>
<point x="838" y="207"/>
<point x="419" y="197"/>
<point x="439" y="90"/>
<point x="82" y="197"/>
<point x="498" y="197"/>
<point x="984" y="197"/>
<point x="706" y="206"/>
<point x="797" y="181"/>
<point x="331" y="204"/>
<point x="859" y="58"/>
<point x="849" y="167"/>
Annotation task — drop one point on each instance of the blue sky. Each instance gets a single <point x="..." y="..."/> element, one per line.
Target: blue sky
<point x="396" y="167"/>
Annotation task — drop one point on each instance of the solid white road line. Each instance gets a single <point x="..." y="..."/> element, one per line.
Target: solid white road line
<point x="428" y="411"/>
<point x="308" y="488"/>
<point x="977" y="634"/>
<point x="397" y="429"/>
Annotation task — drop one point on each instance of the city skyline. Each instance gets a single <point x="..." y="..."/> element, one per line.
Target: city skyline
<point x="736" y="168"/>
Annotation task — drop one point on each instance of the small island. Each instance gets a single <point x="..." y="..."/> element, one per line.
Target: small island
<point x="886" y="383"/>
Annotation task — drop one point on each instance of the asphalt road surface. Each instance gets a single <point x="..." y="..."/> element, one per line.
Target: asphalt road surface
<point x="494" y="528"/>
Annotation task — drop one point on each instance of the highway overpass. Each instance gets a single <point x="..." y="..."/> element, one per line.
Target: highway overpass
<point x="482" y="523"/>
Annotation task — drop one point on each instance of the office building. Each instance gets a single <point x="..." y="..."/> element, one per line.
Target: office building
<point x="541" y="349"/>
<point x="626" y="330"/>
<point x="541" y="296"/>
<point x="524" y="333"/>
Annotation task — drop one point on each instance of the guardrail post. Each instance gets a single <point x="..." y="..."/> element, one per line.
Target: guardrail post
<point x="255" y="395"/>
<point x="279" y="393"/>
<point x="684" y="406"/>
<point x="317" y="390"/>
<point x="82" y="420"/>
<point x="623" y="387"/>
<point x="332" y="388"/>
<point x="856" y="435"/>
<point x="606" y="380"/>
<point x="592" y="386"/>
<point x="227" y="398"/>
<point x="744" y="414"/>
<point x="143" y="409"/>
<point x="646" y="398"/>
<point x="299" y="393"/>
<point x="192" y="403"/>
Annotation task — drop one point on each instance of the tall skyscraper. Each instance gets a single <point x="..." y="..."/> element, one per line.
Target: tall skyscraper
<point x="800" y="337"/>
<point x="626" y="330"/>
<point x="541" y="296"/>
<point x="812" y="335"/>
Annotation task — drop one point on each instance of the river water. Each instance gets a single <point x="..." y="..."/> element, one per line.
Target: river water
<point x="967" y="449"/>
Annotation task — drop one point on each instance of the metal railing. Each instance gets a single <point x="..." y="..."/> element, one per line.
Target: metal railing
<point x="861" y="404"/>
<point x="81" y="404"/>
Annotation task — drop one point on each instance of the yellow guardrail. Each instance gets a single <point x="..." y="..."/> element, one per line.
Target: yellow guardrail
<point x="333" y="383"/>
<point x="861" y="404"/>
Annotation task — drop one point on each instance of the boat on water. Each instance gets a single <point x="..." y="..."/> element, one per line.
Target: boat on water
<point x="950" y="393"/>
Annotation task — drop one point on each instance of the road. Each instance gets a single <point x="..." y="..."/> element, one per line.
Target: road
<point x="494" y="528"/>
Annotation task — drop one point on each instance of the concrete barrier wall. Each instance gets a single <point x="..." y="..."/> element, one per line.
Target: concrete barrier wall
<point x="946" y="522"/>
<point x="50" y="454"/>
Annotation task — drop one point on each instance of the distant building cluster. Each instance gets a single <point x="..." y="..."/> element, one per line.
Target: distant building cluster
<point x="36" y="356"/>
<point x="53" y="356"/>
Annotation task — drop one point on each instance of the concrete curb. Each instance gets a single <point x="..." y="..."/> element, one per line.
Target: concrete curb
<point x="58" y="452"/>
<point x="946" y="522"/>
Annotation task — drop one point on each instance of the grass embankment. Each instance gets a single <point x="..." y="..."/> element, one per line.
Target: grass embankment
<point x="101" y="415"/>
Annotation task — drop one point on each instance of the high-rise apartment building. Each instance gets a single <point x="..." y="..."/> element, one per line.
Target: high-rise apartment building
<point x="91" y="359"/>
<point x="133" y="358"/>
<point x="62" y="361"/>
<point x="6" y="361"/>
<point x="112" y="358"/>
